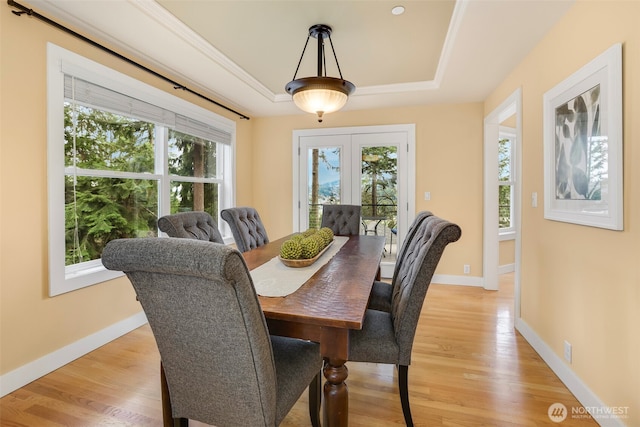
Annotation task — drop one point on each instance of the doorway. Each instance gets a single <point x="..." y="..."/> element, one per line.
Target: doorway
<point x="506" y="115"/>
<point x="368" y="166"/>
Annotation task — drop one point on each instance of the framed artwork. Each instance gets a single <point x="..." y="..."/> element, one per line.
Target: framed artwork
<point x="583" y="145"/>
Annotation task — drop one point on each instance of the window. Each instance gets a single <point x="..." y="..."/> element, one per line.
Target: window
<point x="120" y="155"/>
<point x="506" y="183"/>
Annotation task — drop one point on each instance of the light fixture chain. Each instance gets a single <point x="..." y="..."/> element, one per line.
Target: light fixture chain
<point x="335" y="57"/>
<point x="302" y="56"/>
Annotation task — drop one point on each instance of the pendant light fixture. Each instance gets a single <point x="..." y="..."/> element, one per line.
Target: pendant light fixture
<point x="321" y="94"/>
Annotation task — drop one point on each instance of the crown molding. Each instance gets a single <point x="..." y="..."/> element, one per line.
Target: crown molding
<point x="450" y="38"/>
<point x="172" y="24"/>
<point x="177" y="27"/>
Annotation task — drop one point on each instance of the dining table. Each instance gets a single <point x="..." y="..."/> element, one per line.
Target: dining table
<point x="324" y="309"/>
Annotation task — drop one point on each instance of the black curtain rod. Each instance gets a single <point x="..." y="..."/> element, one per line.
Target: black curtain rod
<point x="175" y="84"/>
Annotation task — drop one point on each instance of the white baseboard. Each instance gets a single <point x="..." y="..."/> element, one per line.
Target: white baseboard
<point x="386" y="272"/>
<point x="450" y="279"/>
<point x="25" y="374"/>
<point x="506" y="268"/>
<point x="573" y="382"/>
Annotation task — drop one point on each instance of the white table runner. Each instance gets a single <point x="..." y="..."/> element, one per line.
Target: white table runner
<point x="274" y="279"/>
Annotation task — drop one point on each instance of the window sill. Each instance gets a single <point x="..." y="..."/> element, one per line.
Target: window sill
<point x="506" y="235"/>
<point x="74" y="278"/>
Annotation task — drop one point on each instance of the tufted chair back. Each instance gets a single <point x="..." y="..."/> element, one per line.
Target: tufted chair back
<point x="412" y="279"/>
<point x="246" y="227"/>
<point x="191" y="225"/>
<point x="382" y="292"/>
<point x="220" y="363"/>
<point x="413" y="228"/>
<point x="344" y="220"/>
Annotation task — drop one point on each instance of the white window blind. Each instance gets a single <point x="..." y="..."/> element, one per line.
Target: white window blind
<point x="196" y="128"/>
<point x="90" y="94"/>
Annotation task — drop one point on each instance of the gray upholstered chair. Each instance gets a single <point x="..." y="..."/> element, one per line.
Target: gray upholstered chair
<point x="344" y="220"/>
<point x="246" y="227"/>
<point x="191" y="225"/>
<point x="220" y="364"/>
<point x="388" y="337"/>
<point x="381" y="292"/>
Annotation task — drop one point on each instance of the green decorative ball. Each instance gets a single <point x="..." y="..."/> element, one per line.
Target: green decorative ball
<point x="327" y="235"/>
<point x="320" y="240"/>
<point x="291" y="249"/>
<point x="310" y="247"/>
<point x="297" y="237"/>
<point x="310" y="232"/>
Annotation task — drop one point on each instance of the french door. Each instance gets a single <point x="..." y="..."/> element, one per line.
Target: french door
<point x="367" y="166"/>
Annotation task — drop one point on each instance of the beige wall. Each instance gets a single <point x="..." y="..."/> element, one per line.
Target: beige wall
<point x="582" y="284"/>
<point x="33" y="325"/>
<point x="507" y="250"/>
<point x="448" y="141"/>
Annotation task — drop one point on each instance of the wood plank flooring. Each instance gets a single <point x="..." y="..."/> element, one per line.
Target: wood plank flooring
<point x="469" y="368"/>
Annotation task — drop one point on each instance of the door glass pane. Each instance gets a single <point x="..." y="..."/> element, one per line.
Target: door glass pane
<point x="324" y="181"/>
<point x="379" y="193"/>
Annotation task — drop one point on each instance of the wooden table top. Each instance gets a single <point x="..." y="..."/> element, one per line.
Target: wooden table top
<point x="337" y="295"/>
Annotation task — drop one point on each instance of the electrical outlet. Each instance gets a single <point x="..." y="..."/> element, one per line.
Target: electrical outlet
<point x="567" y="351"/>
<point x="427" y="195"/>
<point x="534" y="200"/>
<point x="467" y="269"/>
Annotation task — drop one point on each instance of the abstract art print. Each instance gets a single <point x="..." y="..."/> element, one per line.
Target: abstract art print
<point x="583" y="145"/>
<point x="581" y="151"/>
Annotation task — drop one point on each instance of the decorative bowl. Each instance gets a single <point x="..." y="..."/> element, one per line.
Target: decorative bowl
<point x="298" y="263"/>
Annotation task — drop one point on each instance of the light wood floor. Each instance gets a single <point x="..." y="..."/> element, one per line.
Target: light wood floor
<point x="469" y="368"/>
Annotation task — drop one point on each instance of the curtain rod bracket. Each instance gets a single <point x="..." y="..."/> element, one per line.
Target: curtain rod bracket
<point x="23" y="9"/>
<point x="22" y="12"/>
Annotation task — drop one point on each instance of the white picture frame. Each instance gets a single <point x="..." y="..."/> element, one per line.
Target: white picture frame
<point x="583" y="145"/>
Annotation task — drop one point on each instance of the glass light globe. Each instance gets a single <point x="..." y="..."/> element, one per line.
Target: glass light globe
<point x="320" y="100"/>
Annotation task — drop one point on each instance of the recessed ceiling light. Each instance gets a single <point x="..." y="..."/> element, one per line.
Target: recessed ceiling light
<point x="398" y="10"/>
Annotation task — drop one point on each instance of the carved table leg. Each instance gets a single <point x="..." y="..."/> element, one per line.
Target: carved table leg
<point x="336" y="397"/>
